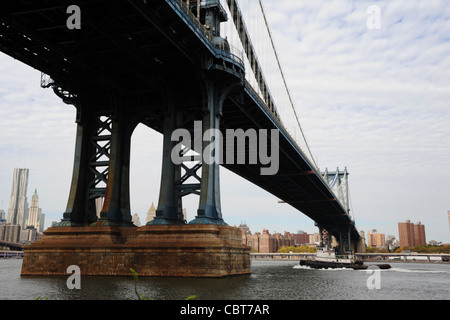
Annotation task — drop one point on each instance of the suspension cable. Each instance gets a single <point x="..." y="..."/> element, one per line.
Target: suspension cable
<point x="284" y="80"/>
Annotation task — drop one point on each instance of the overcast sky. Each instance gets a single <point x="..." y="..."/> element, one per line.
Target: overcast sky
<point x="376" y="101"/>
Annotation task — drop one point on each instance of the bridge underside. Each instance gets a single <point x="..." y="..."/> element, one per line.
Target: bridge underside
<point x="147" y="62"/>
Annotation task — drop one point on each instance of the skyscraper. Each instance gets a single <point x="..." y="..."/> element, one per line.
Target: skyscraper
<point x="371" y="239"/>
<point x="42" y="224"/>
<point x="419" y="235"/>
<point x="411" y="234"/>
<point x="406" y="234"/>
<point x="18" y="206"/>
<point x="34" y="213"/>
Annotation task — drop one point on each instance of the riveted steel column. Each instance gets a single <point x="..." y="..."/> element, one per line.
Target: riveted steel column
<point x="116" y="207"/>
<point x="169" y="211"/>
<point x="81" y="208"/>
<point x="209" y="210"/>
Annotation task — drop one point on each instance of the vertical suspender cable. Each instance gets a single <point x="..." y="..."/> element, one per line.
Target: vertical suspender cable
<point x="284" y="80"/>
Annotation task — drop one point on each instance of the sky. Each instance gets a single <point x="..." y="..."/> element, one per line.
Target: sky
<point x="374" y="98"/>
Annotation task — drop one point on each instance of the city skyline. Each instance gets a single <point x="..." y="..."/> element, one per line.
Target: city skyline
<point x="374" y="101"/>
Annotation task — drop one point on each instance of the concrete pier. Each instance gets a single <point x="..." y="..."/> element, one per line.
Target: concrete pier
<point x="157" y="250"/>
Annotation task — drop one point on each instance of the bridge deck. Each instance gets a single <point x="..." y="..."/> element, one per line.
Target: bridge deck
<point x="133" y="47"/>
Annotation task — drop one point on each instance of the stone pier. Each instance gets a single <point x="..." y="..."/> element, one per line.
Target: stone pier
<point x="155" y="250"/>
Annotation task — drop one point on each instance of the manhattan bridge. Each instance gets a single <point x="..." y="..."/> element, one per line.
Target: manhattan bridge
<point x="171" y="64"/>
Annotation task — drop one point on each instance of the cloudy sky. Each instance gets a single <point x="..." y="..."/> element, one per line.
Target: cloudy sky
<point x="374" y="100"/>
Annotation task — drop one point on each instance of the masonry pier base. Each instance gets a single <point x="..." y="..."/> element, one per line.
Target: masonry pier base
<point x="157" y="251"/>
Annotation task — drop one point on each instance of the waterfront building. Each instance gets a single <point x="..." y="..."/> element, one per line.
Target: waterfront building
<point x="267" y="243"/>
<point x="380" y="240"/>
<point x="10" y="232"/>
<point x="419" y="235"/>
<point x="406" y="234"/>
<point x="18" y="206"/>
<point x="314" y="239"/>
<point x="376" y="239"/>
<point x="28" y="235"/>
<point x="371" y="238"/>
<point x="411" y="235"/>
<point x="245" y="231"/>
<point x="301" y="238"/>
<point x="391" y="242"/>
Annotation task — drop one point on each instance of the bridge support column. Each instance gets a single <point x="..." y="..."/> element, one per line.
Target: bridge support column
<point x="116" y="208"/>
<point x="170" y="209"/>
<point x="345" y="240"/>
<point x="209" y="210"/>
<point x="92" y="129"/>
<point x="101" y="168"/>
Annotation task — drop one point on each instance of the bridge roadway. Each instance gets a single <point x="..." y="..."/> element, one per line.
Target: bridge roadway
<point x="11" y="245"/>
<point x="142" y="50"/>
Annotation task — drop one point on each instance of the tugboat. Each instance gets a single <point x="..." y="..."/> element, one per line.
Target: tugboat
<point x="326" y="258"/>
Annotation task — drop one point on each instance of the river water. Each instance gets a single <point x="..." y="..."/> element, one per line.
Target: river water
<point x="270" y="280"/>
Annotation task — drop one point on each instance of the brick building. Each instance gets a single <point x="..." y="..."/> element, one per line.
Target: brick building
<point x="411" y="234"/>
<point x="301" y="238"/>
<point x="376" y="240"/>
<point x="265" y="242"/>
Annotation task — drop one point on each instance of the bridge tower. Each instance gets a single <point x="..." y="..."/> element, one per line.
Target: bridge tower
<point x="216" y="88"/>
<point x="189" y="101"/>
<point x="338" y="182"/>
<point x="106" y="120"/>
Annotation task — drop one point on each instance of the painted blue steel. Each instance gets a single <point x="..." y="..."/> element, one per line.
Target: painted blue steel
<point x="217" y="52"/>
<point x="324" y="190"/>
<point x="280" y="127"/>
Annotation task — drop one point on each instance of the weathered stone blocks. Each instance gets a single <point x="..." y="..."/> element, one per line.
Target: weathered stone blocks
<point x="159" y="250"/>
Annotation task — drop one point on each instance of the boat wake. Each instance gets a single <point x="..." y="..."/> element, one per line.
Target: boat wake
<point x="418" y="271"/>
<point x="323" y="269"/>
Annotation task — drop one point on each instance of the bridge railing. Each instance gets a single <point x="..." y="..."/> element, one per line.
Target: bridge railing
<point x="222" y="49"/>
<point x="231" y="52"/>
<point x="184" y="5"/>
<point x="277" y="119"/>
<point x="237" y="55"/>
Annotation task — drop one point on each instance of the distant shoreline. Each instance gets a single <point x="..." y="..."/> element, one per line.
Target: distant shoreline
<point x="372" y="257"/>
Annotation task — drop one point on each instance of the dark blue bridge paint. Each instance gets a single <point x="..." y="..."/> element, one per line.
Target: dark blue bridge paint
<point x="141" y="54"/>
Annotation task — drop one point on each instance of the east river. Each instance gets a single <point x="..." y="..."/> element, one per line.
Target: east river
<point x="270" y="280"/>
